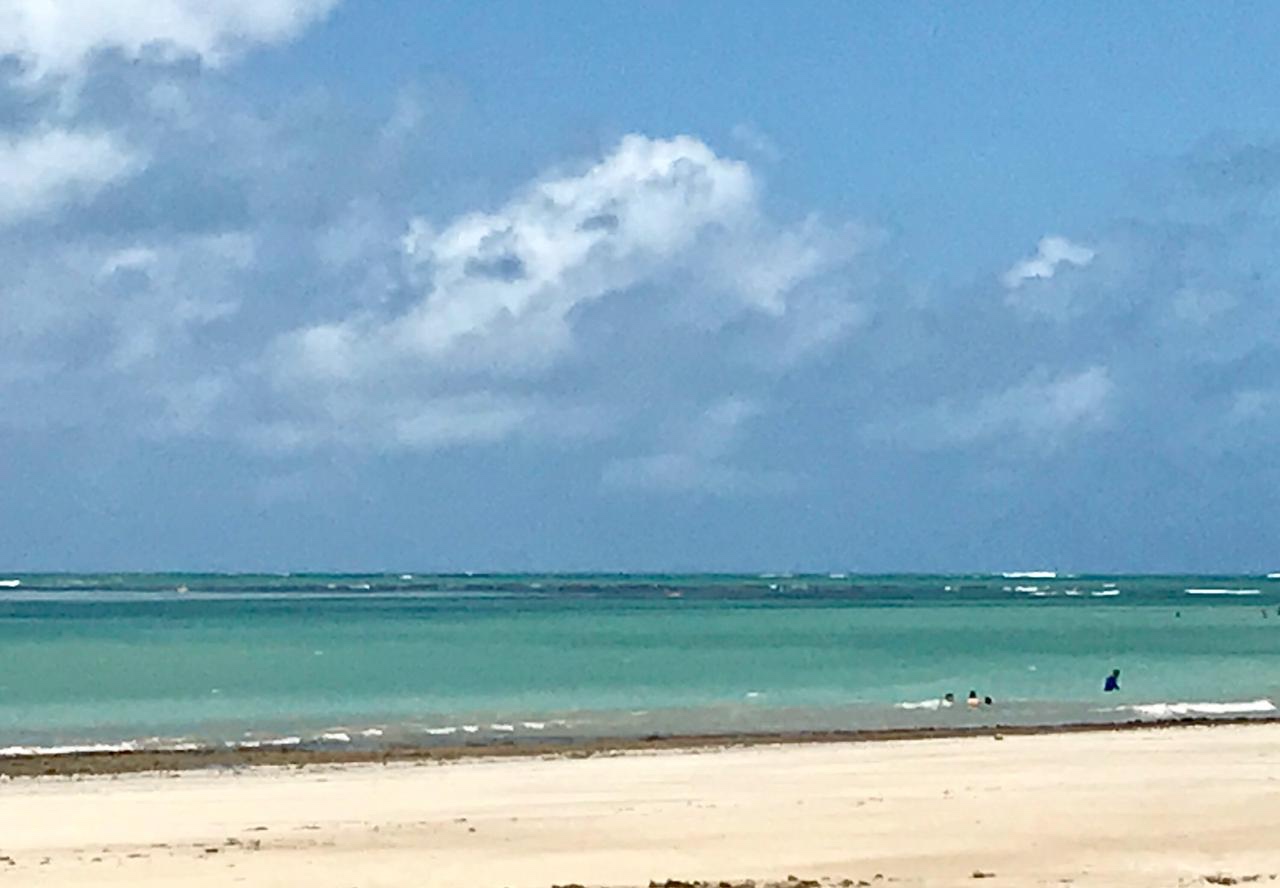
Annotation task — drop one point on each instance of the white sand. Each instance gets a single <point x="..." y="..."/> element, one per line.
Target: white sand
<point x="1143" y="808"/>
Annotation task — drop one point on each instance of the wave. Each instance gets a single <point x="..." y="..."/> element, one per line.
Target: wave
<point x="10" y="584"/>
<point x="1030" y="574"/>
<point x="258" y="744"/>
<point x="81" y="748"/>
<point x="1222" y="591"/>
<point x="930" y="705"/>
<point x="1167" y="710"/>
<point x="1105" y="593"/>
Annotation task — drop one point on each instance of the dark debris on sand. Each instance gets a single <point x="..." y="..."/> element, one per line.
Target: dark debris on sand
<point x="789" y="882"/>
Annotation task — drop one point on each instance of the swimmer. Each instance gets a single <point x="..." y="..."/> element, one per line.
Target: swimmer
<point x="1113" y="681"/>
<point x="974" y="702"/>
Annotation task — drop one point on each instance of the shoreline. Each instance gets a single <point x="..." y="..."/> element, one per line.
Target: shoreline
<point x="115" y="762"/>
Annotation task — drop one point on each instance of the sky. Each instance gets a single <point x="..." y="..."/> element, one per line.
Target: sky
<point x="343" y="285"/>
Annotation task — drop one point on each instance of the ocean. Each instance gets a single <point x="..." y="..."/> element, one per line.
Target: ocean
<point x="188" y="660"/>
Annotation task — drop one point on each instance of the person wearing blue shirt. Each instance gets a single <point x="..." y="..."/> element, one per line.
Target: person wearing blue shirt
<point x="1113" y="681"/>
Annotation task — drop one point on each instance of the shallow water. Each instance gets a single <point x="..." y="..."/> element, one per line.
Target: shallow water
<point x="166" y="659"/>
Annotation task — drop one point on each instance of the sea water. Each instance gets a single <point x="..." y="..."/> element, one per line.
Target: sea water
<point x="135" y="661"/>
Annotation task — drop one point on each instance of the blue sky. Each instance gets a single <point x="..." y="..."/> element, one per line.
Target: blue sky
<point x="292" y="284"/>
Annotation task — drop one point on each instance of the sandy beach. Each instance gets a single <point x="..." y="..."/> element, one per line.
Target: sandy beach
<point x="1143" y="807"/>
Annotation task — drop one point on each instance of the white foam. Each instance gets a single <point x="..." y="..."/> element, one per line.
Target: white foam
<point x="1026" y="588"/>
<point x="1274" y="575"/>
<point x="258" y="744"/>
<point x="336" y="736"/>
<point x="371" y="732"/>
<point x="471" y="729"/>
<point x="360" y="586"/>
<point x="441" y="732"/>
<point x="533" y="726"/>
<point x="10" y="584"/>
<point x="406" y="576"/>
<point x="1165" y="710"/>
<point x="1105" y="593"/>
<point x="1221" y="591"/>
<point x="1030" y="574"/>
<point x="924" y="704"/>
<point x="68" y="750"/>
<point x="504" y="728"/>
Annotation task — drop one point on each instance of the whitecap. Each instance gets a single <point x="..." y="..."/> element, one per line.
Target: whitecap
<point x="471" y="729"/>
<point x="440" y="732"/>
<point x="1165" y="710"/>
<point x="504" y="728"/>
<point x="336" y="736"/>
<point x="10" y="584"/>
<point x="1030" y="574"/>
<point x="922" y="704"/>
<point x="371" y="732"/>
<point x="258" y="744"/>
<point x="1105" y="593"/>
<point x="1026" y="588"/>
<point x="1222" y="591"/>
<point x="68" y="750"/>
<point x="533" y="726"/>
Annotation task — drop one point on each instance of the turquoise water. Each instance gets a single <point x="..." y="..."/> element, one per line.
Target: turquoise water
<point x="164" y="659"/>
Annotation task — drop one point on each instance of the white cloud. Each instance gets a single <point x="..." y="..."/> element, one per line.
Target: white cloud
<point x="1051" y="253"/>
<point x="407" y="422"/>
<point x="756" y="142"/>
<point x="500" y="288"/>
<point x="58" y="36"/>
<point x="42" y="170"/>
<point x="697" y="458"/>
<point x="662" y="227"/>
<point x="1039" y="410"/>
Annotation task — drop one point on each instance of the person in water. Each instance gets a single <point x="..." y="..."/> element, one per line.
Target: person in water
<point x="948" y="699"/>
<point x="1113" y="681"/>
<point x="973" y="699"/>
<point x="987" y="701"/>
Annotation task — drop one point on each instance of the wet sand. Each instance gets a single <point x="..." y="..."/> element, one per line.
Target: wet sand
<point x="125" y="762"/>
<point x="1168" y="807"/>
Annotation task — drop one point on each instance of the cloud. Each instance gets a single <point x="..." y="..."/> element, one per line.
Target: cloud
<point x="756" y="142"/>
<point x="57" y="37"/>
<point x="696" y="459"/>
<point x="1051" y="253"/>
<point x="1040" y="410"/>
<point x="662" y="238"/>
<point x="42" y="170"/>
<point x="499" y="288"/>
